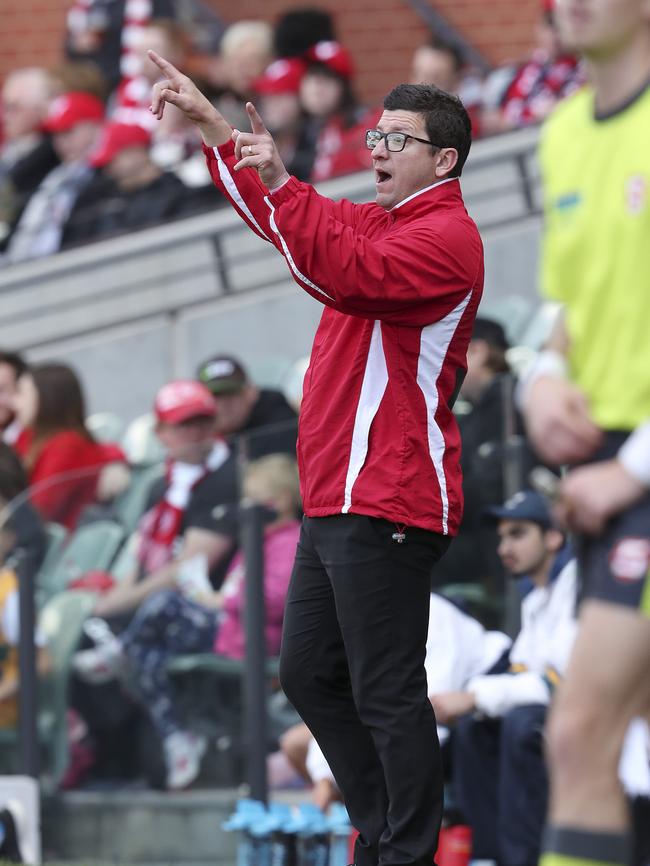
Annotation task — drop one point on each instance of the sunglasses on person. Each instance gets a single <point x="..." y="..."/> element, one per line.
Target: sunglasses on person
<point x="394" y="141"/>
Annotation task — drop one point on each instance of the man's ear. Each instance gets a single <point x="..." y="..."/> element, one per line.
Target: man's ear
<point x="446" y="160"/>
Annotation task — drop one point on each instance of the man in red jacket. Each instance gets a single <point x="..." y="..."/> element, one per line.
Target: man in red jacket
<point x="378" y="447"/>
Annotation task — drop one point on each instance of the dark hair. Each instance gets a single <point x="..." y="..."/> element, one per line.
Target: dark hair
<point x="61" y="404"/>
<point x="13" y="360"/>
<point x="445" y="118"/>
<point x="299" y="29"/>
<point x="13" y="478"/>
<point x="451" y="48"/>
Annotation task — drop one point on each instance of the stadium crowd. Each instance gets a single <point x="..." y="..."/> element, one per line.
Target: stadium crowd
<point x="82" y="158"/>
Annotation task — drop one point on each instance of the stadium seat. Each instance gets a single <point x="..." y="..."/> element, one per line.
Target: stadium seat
<point x="105" y="426"/>
<point x="140" y="443"/>
<point x="61" y="622"/>
<point x="91" y="547"/>
<point x="126" y="560"/>
<point x="56" y="538"/>
<point x="129" y="506"/>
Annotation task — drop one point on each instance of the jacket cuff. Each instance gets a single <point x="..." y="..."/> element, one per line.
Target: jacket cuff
<point x="286" y="191"/>
<point x="225" y="150"/>
<point x="635" y="454"/>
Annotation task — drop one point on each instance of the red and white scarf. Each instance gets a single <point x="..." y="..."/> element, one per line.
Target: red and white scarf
<point x="160" y="527"/>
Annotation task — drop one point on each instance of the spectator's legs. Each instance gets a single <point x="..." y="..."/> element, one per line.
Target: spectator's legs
<point x="523" y="786"/>
<point x="475" y="762"/>
<point x="353" y="665"/>
<point x="606" y="686"/>
<point x="165" y="625"/>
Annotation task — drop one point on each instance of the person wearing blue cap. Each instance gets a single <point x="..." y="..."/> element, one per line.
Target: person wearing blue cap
<point x="500" y="777"/>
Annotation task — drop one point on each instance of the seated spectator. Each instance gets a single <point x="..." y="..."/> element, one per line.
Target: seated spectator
<point x="328" y="99"/>
<point x="458" y="648"/>
<point x="133" y="96"/>
<point x="487" y="433"/>
<point x="74" y="121"/>
<point x="26" y="153"/>
<point x="245" y="52"/>
<point x="278" y="102"/>
<point x="24" y="536"/>
<point x="261" y="415"/>
<point x="179" y="522"/>
<point x="188" y="518"/>
<point x="22" y="546"/>
<point x="500" y="776"/>
<point x="63" y="461"/>
<point x="101" y="32"/>
<point x="521" y="95"/>
<point x="130" y="191"/>
<point x="12" y="368"/>
<point x="195" y="620"/>
<point x="442" y="64"/>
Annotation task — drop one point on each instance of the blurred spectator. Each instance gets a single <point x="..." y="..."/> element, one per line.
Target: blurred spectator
<point x="180" y="520"/>
<point x="23" y="534"/>
<point x="130" y="192"/>
<point x="74" y="121"/>
<point x="22" y="545"/>
<point x="499" y="771"/>
<point x="101" y="31"/>
<point x="328" y="99"/>
<point x="487" y="435"/>
<point x="517" y="96"/>
<point x="26" y="153"/>
<point x="245" y="52"/>
<point x="278" y="102"/>
<point x="133" y="96"/>
<point x="437" y="62"/>
<point x="262" y="415"/>
<point x="63" y="461"/>
<point x="442" y="63"/>
<point x="298" y="29"/>
<point x="12" y="368"/>
<point x="174" y="622"/>
<point x="188" y="524"/>
<point x="458" y="648"/>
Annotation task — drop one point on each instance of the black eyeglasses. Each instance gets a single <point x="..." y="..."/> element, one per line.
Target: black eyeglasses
<point x="395" y="141"/>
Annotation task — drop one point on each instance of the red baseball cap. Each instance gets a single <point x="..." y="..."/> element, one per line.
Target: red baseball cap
<point x="69" y="109"/>
<point x="177" y="401"/>
<point x="116" y="137"/>
<point x="333" y="55"/>
<point x="282" y="76"/>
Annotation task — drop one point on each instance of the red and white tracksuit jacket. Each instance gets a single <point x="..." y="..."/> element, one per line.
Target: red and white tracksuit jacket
<point x="401" y="289"/>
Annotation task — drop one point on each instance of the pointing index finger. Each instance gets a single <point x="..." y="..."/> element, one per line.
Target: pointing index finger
<point x="257" y="124"/>
<point x="164" y="65"/>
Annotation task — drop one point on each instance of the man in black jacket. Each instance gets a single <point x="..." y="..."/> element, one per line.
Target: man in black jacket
<point x="262" y="415"/>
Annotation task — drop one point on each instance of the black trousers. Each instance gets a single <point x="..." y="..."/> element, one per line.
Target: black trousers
<point x="352" y="663"/>
<point x="501" y="783"/>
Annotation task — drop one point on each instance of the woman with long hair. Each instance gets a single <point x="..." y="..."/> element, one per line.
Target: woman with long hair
<point x="63" y="460"/>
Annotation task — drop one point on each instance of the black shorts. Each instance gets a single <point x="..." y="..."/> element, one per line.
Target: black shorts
<point x="615" y="565"/>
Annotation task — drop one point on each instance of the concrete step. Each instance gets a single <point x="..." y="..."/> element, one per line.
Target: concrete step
<point x="139" y="828"/>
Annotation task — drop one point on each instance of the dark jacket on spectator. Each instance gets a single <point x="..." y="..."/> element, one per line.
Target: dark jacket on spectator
<point x="104" y="210"/>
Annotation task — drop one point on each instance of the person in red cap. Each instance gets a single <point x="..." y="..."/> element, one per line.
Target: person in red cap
<point x="129" y="192"/>
<point x="73" y="120"/>
<point x="278" y="96"/>
<point x="328" y="99"/>
<point x="200" y="476"/>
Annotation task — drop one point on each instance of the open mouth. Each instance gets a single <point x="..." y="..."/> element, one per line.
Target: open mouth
<point x="381" y="176"/>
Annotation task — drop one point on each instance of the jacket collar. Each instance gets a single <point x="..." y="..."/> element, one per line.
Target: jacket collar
<point x="426" y="199"/>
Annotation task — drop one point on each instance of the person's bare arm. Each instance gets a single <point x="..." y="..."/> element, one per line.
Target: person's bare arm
<point x="557" y="414"/>
<point x="129" y="595"/>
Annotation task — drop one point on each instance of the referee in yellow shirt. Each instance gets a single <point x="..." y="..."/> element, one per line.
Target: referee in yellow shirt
<point x="587" y="404"/>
